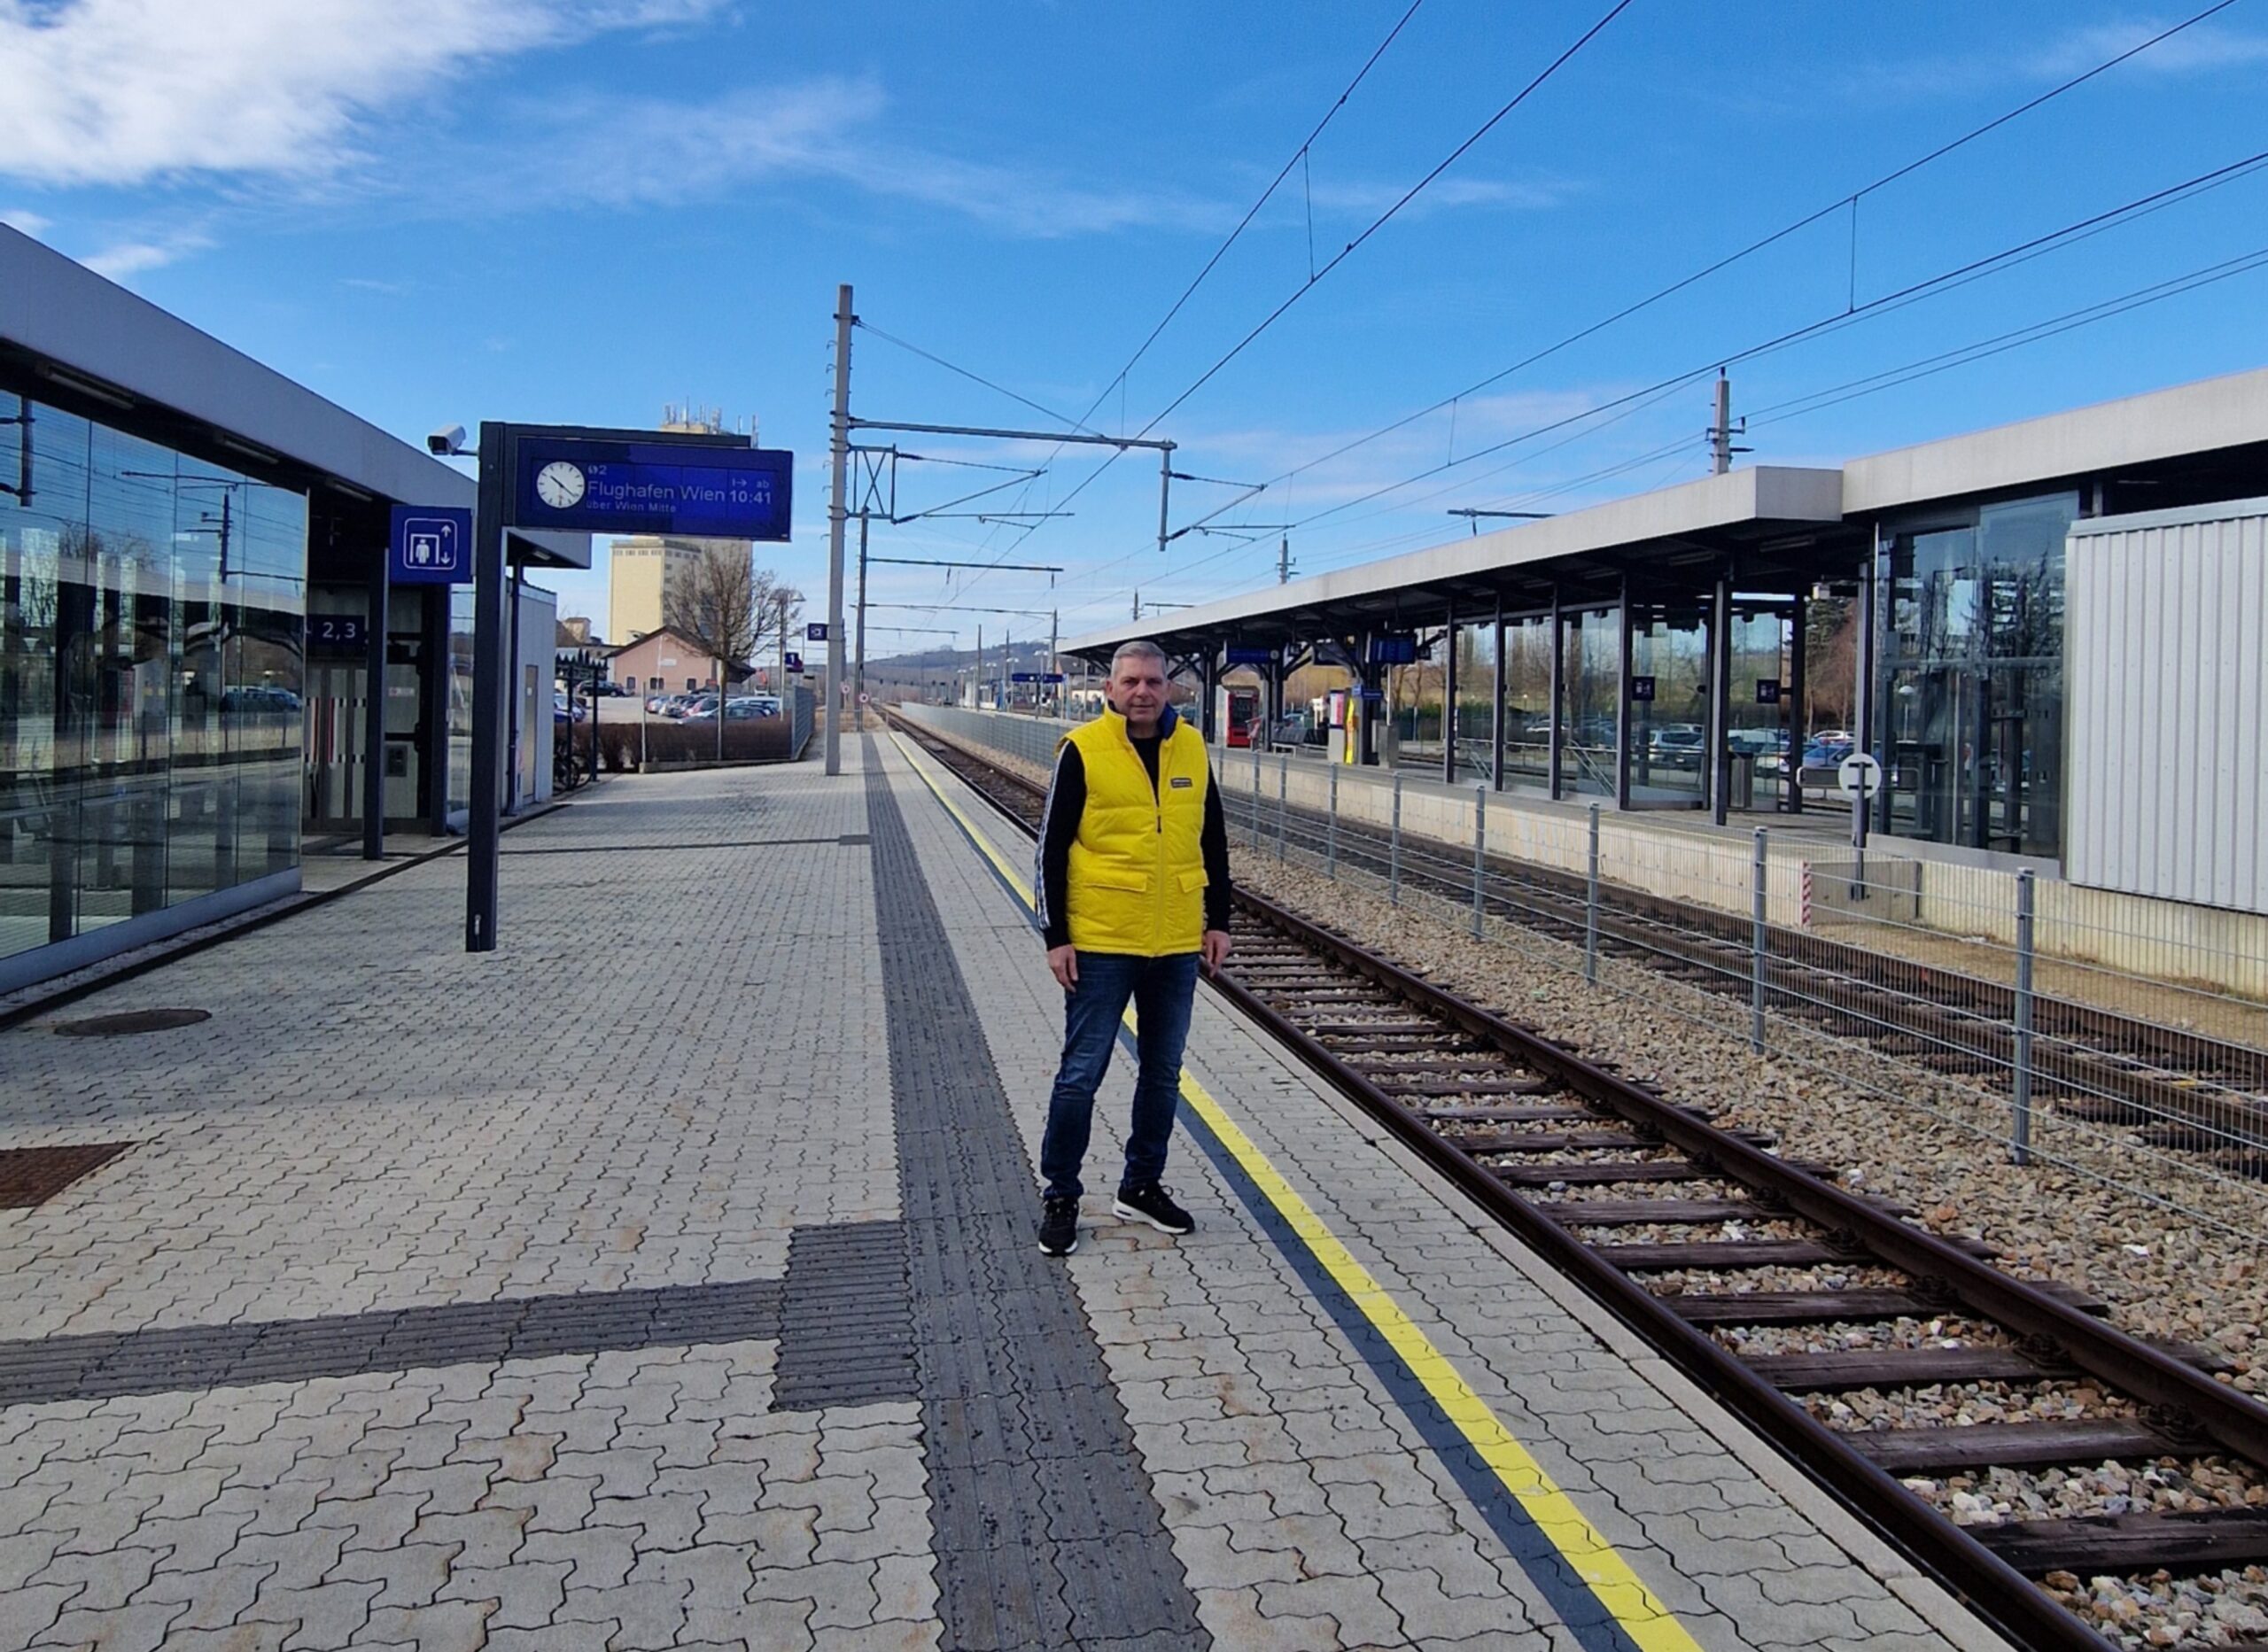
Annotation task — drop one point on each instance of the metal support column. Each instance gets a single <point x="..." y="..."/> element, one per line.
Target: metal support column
<point x="373" y="717"/>
<point x="1448" y="697"/>
<point x="1720" y="698"/>
<point x="1497" y="701"/>
<point x="1622" y="701"/>
<point x="484" y="827"/>
<point x="1331" y="830"/>
<point x="1555" y="737"/>
<point x="1872" y="726"/>
<point x="1792" y="706"/>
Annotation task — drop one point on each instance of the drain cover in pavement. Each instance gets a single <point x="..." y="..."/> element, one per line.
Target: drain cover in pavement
<point x="131" y="1021"/>
<point x="33" y="1175"/>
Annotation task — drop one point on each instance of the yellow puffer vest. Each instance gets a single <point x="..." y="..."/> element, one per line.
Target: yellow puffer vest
<point x="1137" y="865"/>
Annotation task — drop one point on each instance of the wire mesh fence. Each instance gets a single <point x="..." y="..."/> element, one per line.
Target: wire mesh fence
<point x="2060" y="1028"/>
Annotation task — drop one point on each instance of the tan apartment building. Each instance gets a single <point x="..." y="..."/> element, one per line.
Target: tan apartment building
<point x="644" y="565"/>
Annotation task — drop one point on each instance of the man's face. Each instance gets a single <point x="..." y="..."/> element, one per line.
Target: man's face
<point x="1137" y="687"/>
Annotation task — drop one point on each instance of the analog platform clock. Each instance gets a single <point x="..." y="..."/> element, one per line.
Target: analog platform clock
<point x="559" y="485"/>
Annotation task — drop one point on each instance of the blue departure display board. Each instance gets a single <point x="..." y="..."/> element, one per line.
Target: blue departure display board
<point x="714" y="493"/>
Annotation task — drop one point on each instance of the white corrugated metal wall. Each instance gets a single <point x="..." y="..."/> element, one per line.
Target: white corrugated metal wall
<point x="2166" y="623"/>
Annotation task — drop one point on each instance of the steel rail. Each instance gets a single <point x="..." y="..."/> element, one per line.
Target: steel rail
<point x="2078" y="1043"/>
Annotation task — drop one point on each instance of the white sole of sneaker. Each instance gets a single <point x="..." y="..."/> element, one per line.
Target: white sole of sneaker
<point x="1065" y="1251"/>
<point x="1127" y="1212"/>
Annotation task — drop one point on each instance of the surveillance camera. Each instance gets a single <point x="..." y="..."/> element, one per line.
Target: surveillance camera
<point x="445" y="441"/>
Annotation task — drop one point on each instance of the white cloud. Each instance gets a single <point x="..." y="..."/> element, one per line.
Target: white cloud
<point x="123" y="91"/>
<point x="124" y="258"/>
<point x="613" y="152"/>
<point x="1446" y="194"/>
<point x="28" y="222"/>
<point x="2202" y="49"/>
<point x="2205" y="49"/>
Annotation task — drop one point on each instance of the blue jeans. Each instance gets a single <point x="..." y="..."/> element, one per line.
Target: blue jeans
<point x="1161" y="989"/>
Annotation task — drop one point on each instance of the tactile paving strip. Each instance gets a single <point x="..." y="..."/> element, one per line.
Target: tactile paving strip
<point x="30" y="1176"/>
<point x="1048" y="1534"/>
<point x="196" y="1357"/>
<point x="847" y="1326"/>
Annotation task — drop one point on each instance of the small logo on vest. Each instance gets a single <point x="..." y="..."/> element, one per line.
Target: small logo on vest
<point x="1181" y="782"/>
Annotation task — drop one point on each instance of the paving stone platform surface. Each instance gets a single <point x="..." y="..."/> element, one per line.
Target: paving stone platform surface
<point x="628" y="1287"/>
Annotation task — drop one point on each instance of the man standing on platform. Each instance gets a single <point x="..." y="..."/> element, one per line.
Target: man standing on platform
<point x="1133" y="864"/>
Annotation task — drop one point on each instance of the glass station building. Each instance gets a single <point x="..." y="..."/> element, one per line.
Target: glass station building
<point x="1650" y="652"/>
<point x="192" y="551"/>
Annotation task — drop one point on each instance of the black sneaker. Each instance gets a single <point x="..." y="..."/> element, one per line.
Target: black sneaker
<point x="1153" y="1205"/>
<point x="1058" y="1226"/>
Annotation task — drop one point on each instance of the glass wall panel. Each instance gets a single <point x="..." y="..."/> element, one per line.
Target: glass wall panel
<point x="140" y="591"/>
<point x="1588" y="696"/>
<point x="1972" y="679"/>
<point x="1414" y="702"/>
<point x="1756" y="728"/>
<point x="1527" y="700"/>
<point x="1475" y="712"/>
<point x="1669" y="740"/>
<point x="460" y="793"/>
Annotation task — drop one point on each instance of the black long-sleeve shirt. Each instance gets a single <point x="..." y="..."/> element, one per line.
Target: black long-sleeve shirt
<point x="1067" y="801"/>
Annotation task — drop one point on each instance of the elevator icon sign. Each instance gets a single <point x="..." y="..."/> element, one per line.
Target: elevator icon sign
<point x="429" y="544"/>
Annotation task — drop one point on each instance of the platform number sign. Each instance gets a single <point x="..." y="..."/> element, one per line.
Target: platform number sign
<point x="1768" y="691"/>
<point x="794" y="667"/>
<point x="815" y="631"/>
<point x="1642" y="688"/>
<point x="337" y="633"/>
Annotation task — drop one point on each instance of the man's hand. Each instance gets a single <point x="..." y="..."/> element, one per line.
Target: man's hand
<point x="1214" y="951"/>
<point x="1063" y="963"/>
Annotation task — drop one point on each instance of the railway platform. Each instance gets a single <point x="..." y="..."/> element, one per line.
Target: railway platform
<point x="665" y="1279"/>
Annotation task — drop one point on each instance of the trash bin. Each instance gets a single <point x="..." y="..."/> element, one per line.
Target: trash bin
<point x="1744" y="781"/>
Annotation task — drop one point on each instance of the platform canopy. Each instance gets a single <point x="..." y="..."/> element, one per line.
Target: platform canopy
<point x="1771" y="522"/>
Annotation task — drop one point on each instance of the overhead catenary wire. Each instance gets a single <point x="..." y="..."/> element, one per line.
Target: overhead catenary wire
<point x="1887" y="378"/>
<point x="1318" y="276"/>
<point x="1848" y="201"/>
<point x="1299" y="158"/>
<point x="1943" y="281"/>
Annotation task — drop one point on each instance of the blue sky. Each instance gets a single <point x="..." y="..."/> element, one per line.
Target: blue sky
<point x="579" y="210"/>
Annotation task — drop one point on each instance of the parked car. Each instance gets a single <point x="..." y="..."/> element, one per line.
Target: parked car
<point x="565" y="708"/>
<point x="1828" y="748"/>
<point x="1766" y="745"/>
<point x="1679" y="744"/>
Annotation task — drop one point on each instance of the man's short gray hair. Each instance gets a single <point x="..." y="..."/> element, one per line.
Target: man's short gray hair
<point x="1140" y="648"/>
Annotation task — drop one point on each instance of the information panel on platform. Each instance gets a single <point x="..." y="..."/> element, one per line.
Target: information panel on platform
<point x="653" y="487"/>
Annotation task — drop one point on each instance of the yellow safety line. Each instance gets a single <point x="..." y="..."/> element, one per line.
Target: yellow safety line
<point x="1642" y="1615"/>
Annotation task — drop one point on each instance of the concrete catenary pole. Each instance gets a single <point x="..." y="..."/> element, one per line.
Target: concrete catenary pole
<point x="836" y="515"/>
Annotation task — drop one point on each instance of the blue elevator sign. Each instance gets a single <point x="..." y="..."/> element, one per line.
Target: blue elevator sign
<point x="572" y="483"/>
<point x="429" y="544"/>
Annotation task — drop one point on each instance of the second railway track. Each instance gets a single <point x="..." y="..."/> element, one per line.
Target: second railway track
<point x="1775" y="1289"/>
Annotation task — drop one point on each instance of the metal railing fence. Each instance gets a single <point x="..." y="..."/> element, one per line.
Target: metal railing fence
<point x="2062" y="1027"/>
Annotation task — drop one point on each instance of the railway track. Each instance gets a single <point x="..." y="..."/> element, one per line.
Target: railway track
<point x="1775" y="1289"/>
<point x="2176" y="1089"/>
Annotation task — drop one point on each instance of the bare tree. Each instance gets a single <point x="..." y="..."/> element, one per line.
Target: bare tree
<point x="729" y="609"/>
